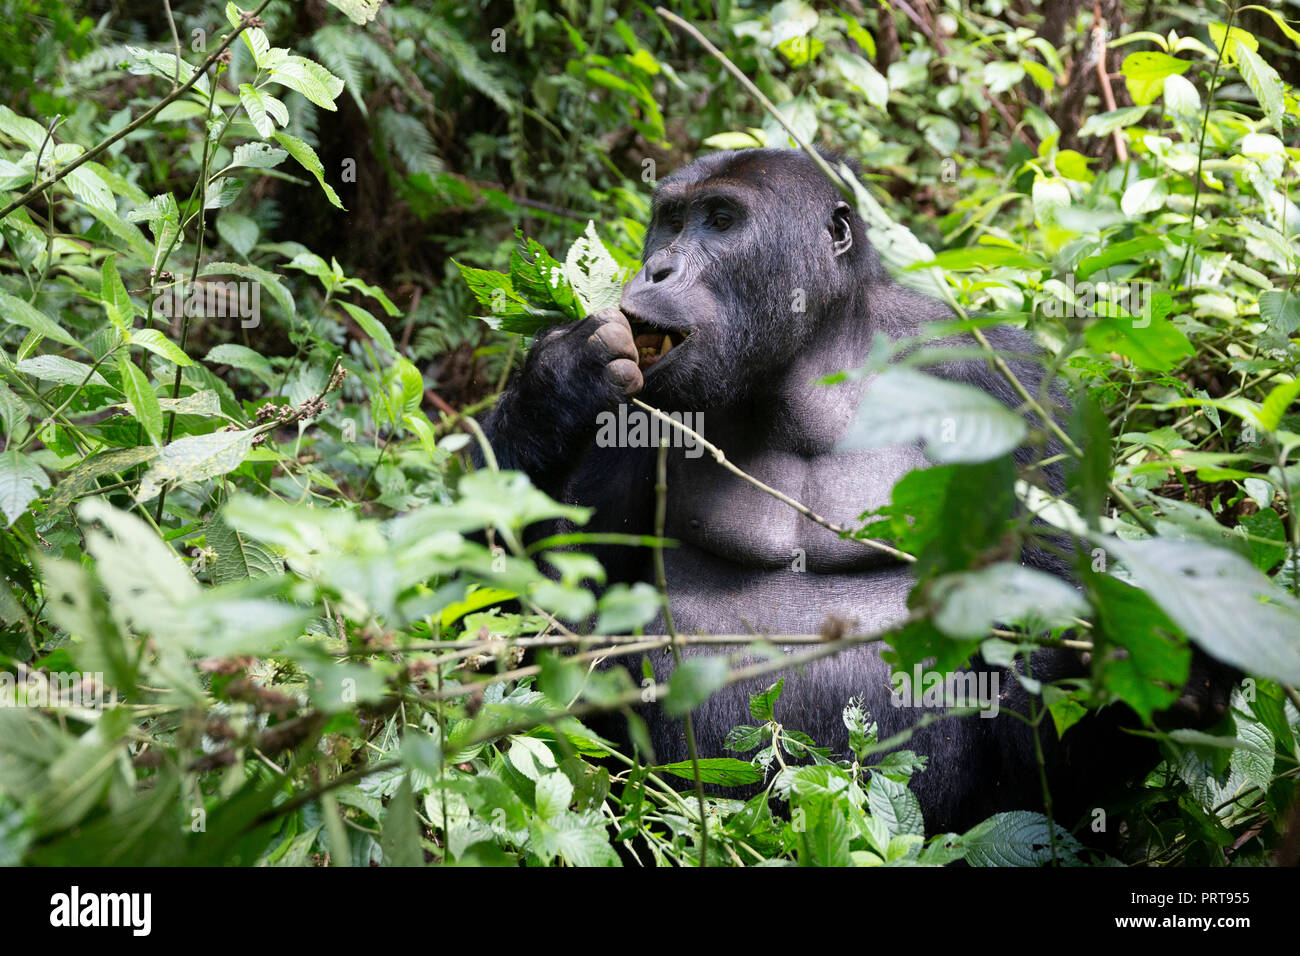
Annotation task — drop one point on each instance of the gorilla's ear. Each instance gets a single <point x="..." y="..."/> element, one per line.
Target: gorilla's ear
<point x="841" y="233"/>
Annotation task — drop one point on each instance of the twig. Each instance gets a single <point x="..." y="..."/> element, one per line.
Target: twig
<point x="1103" y="77"/>
<point x="661" y="584"/>
<point x="721" y="458"/>
<point x="754" y="91"/>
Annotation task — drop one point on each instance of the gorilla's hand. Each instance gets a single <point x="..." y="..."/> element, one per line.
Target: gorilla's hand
<point x="593" y="361"/>
<point x="547" y="417"/>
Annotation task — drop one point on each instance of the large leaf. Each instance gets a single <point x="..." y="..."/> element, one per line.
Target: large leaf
<point x="18" y="312"/>
<point x="1221" y="601"/>
<point x="971" y="602"/>
<point x="952" y="422"/>
<point x="20" y="477"/>
<point x="195" y="458"/>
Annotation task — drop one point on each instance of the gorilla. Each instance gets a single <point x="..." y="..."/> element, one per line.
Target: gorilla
<point x="709" y="325"/>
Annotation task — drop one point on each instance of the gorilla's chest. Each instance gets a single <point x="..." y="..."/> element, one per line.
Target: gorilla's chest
<point x="728" y="518"/>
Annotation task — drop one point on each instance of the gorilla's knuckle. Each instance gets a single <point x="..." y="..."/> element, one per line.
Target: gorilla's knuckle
<point x="614" y="339"/>
<point x="625" y="375"/>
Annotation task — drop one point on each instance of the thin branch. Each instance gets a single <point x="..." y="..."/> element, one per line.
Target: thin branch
<point x="721" y="458"/>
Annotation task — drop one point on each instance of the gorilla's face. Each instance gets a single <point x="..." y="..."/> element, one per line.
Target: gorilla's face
<point x="740" y="259"/>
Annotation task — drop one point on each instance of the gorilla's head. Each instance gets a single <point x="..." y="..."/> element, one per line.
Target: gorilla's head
<point x="747" y="253"/>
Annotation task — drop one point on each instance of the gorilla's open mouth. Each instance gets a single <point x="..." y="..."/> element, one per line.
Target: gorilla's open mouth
<point x="653" y="342"/>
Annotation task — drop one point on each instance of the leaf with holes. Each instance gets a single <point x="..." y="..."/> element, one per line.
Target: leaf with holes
<point x="195" y="458"/>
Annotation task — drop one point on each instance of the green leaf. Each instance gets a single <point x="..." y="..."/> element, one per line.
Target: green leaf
<point x="1017" y="838"/>
<point x="113" y="295"/>
<point x="308" y="78"/>
<point x="18" y="312"/>
<point x="21" y="129"/>
<point x="400" y="839"/>
<point x="371" y="326"/>
<point x="239" y="232"/>
<point x="1145" y="74"/>
<point x="1103" y="124"/>
<point x="82" y="478"/>
<point x="1150" y="341"/>
<point x="624" y="608"/>
<point x="971" y="602"/>
<point x="143" y="399"/>
<point x="240" y="356"/>
<point x="165" y="65"/>
<point x="254" y="102"/>
<point x="358" y="11"/>
<point x="160" y="345"/>
<point x="20" y="477"/>
<point x="1231" y="40"/>
<point x="1279" y="401"/>
<point x="64" y="371"/>
<point x="257" y="156"/>
<point x="1141" y="656"/>
<point x="860" y="76"/>
<point x="265" y="279"/>
<point x="1265" y="524"/>
<point x="1263" y="82"/>
<point x="195" y="458"/>
<point x="762" y="706"/>
<point x="692" y="683"/>
<point x="954" y="422"/>
<point x="554" y="793"/>
<point x="1220" y="600"/>
<point x="307" y="158"/>
<point x="895" y="806"/>
<point x="238" y="557"/>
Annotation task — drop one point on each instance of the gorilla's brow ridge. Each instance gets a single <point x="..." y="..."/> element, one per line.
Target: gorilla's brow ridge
<point x="705" y="191"/>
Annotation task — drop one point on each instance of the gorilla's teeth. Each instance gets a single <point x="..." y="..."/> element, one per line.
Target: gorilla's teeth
<point x="668" y="344"/>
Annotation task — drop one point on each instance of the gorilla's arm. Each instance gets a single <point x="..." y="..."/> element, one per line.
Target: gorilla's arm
<point x="545" y="425"/>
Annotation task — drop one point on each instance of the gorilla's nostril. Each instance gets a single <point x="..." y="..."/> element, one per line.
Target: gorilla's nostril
<point x="660" y="275"/>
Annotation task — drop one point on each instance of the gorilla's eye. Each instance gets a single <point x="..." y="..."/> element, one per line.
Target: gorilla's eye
<point x="675" y="222"/>
<point x="720" y="220"/>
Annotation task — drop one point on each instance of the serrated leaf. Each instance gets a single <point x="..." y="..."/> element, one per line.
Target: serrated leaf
<point x="255" y="107"/>
<point x="592" y="272"/>
<point x="895" y="805"/>
<point x="239" y="557"/>
<point x="1017" y="838"/>
<point x="308" y="78"/>
<point x="723" y="771"/>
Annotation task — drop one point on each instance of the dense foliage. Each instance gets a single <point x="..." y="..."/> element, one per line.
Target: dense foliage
<point x="233" y="415"/>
